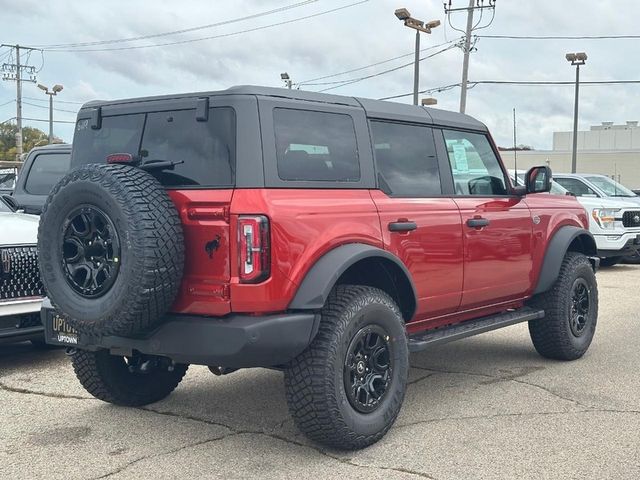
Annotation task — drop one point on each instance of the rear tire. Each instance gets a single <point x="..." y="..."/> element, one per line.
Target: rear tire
<point x="108" y="378"/>
<point x="571" y="311"/>
<point x="337" y="394"/>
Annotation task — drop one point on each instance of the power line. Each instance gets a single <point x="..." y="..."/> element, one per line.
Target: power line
<point x="382" y="62"/>
<point x="55" y="109"/>
<point x="6" y="103"/>
<point x="344" y="83"/>
<point x="559" y="37"/>
<point x="222" y="35"/>
<point x="177" y="32"/>
<point x="534" y="83"/>
<point x="57" y="101"/>
<point x="40" y="120"/>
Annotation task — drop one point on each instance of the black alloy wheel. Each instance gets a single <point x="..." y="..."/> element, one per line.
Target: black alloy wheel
<point x="91" y="254"/>
<point x="368" y="368"/>
<point x="580" y="303"/>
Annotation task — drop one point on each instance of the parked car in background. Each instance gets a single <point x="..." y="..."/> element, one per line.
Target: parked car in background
<point x="21" y="291"/>
<point x="7" y="180"/>
<point x="323" y="235"/>
<point x="614" y="215"/>
<point x="42" y="169"/>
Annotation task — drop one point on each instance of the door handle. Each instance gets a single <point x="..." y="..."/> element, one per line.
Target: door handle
<point x="402" y="226"/>
<point x="477" y="222"/>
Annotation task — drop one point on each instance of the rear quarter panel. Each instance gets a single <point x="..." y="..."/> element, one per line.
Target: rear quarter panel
<point x="305" y="224"/>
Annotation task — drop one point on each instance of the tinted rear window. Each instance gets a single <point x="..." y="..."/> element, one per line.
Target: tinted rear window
<point x="206" y="149"/>
<point x="46" y="170"/>
<point x="315" y="146"/>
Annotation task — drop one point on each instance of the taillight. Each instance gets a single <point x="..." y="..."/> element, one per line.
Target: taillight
<point x="253" y="248"/>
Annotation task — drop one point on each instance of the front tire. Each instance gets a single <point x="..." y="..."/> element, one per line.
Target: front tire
<point x="132" y="382"/>
<point x="571" y="311"/>
<point x="346" y="389"/>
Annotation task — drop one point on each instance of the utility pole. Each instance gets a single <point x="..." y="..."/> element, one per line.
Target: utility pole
<point x="576" y="60"/>
<point x="13" y="72"/>
<point x="403" y="15"/>
<point x="467" y="46"/>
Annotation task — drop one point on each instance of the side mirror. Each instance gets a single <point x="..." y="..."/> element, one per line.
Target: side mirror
<point x="538" y="180"/>
<point x="11" y="201"/>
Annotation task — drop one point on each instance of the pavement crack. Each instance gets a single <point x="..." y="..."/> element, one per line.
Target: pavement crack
<point x="511" y="377"/>
<point x="26" y="391"/>
<point x="160" y="454"/>
<point x="419" y="379"/>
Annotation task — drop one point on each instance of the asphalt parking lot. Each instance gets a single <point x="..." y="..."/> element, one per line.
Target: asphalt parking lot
<point x="486" y="407"/>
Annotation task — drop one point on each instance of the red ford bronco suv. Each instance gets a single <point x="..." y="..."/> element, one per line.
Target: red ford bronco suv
<point x="322" y="235"/>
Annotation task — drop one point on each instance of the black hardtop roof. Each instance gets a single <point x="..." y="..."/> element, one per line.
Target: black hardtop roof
<point x="374" y="108"/>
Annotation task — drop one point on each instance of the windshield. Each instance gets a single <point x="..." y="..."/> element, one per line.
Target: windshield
<point x="611" y="187"/>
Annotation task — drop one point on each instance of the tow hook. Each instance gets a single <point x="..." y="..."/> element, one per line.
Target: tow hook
<point x="70" y="351"/>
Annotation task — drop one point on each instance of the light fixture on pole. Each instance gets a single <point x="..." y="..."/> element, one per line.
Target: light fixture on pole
<point x="286" y="79"/>
<point x="428" y="101"/>
<point x="576" y="59"/>
<point x="419" y="26"/>
<point x="53" y="92"/>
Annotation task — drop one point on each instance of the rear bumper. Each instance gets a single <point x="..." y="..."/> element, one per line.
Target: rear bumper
<point x="234" y="341"/>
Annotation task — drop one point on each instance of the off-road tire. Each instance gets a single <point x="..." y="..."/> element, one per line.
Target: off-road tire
<point x="610" y="261"/>
<point x="108" y="378"/>
<point x="632" y="259"/>
<point x="314" y="383"/>
<point x="552" y="335"/>
<point x="151" y="244"/>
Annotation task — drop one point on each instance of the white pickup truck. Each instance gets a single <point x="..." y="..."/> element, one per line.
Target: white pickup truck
<point x="610" y="218"/>
<point x="21" y="291"/>
<point x="615" y="214"/>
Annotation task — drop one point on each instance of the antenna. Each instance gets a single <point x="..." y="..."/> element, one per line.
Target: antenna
<point x="515" y="148"/>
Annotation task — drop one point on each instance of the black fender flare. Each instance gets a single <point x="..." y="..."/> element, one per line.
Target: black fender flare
<point x="557" y="248"/>
<point x="323" y="275"/>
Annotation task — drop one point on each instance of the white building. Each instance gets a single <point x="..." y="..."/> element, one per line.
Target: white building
<point x="609" y="149"/>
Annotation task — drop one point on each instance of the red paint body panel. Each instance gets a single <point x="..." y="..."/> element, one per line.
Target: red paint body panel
<point x="498" y="258"/>
<point x="432" y="253"/>
<point x="459" y="272"/>
<point x="205" y="284"/>
<point x="305" y="224"/>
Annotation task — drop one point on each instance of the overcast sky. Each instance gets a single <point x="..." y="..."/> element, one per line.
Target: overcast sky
<point x="343" y="40"/>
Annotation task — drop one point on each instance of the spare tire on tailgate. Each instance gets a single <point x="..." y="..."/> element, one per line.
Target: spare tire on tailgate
<point x="111" y="249"/>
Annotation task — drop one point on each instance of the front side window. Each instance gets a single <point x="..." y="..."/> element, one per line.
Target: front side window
<point x="406" y="159"/>
<point x="577" y="187"/>
<point x="46" y="170"/>
<point x="475" y="167"/>
<point x="315" y="146"/>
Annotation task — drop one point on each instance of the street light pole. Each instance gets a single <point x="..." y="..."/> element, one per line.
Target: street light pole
<point x="576" y="60"/>
<point x="419" y="26"/>
<point x="416" y="70"/>
<point x="54" y="91"/>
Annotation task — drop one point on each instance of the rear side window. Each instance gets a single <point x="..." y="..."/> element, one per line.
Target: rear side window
<point x="46" y="170"/>
<point x="406" y="159"/>
<point x="206" y="150"/>
<point x="475" y="167"/>
<point x="315" y="146"/>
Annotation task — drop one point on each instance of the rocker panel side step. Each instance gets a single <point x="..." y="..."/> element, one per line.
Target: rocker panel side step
<point x="421" y="341"/>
